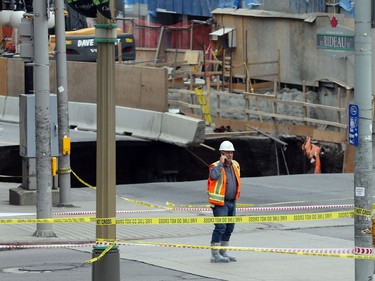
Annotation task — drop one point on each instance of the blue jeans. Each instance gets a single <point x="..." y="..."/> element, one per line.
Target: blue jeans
<point x="223" y="231"/>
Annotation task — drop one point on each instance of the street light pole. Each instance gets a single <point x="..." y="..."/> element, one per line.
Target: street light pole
<point x="364" y="269"/>
<point x="62" y="107"/>
<point x="108" y="267"/>
<point x="42" y="119"/>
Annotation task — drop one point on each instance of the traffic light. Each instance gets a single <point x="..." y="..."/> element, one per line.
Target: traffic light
<point x="103" y="8"/>
<point x="84" y="7"/>
<point x="89" y="8"/>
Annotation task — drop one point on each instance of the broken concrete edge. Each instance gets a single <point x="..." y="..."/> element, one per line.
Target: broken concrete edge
<point x="152" y="125"/>
<point x="182" y="130"/>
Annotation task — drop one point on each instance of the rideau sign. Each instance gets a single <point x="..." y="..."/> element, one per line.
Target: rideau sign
<point x="336" y="41"/>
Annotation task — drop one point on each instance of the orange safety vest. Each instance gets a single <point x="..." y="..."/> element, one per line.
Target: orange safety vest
<point x="216" y="188"/>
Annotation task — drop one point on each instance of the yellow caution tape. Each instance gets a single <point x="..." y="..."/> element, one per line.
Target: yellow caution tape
<point x="123" y="198"/>
<point x="334" y="253"/>
<point x="64" y="171"/>
<point x="352" y="253"/>
<point x="48" y="220"/>
<point x="237" y="219"/>
<point x="172" y="205"/>
<point x="191" y="220"/>
<point x="105" y="221"/>
<point x="104" y="241"/>
<point x="102" y="254"/>
<point x="140" y="203"/>
<point x="81" y="180"/>
<point x="362" y="212"/>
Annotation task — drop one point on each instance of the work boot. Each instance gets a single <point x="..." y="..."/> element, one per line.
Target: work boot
<point x="223" y="252"/>
<point x="215" y="255"/>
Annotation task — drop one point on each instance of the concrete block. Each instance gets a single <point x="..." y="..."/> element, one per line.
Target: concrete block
<point x="11" y="110"/>
<point x="141" y="123"/>
<point x="82" y="115"/>
<point x="20" y="196"/>
<point x="138" y="122"/>
<point x="182" y="130"/>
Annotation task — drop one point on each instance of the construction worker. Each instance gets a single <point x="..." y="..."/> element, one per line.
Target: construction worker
<point x="312" y="152"/>
<point x="223" y="190"/>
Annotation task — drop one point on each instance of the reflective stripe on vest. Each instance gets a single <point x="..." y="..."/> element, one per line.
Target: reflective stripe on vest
<point x="216" y="188"/>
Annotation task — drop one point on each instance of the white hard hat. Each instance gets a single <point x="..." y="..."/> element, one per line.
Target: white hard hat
<point x="226" y="146"/>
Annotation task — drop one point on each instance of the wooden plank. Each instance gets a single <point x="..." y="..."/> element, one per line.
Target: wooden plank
<point x="170" y="63"/>
<point x="263" y="62"/>
<point x="261" y="96"/>
<point x="207" y="73"/>
<point x="285" y="129"/>
<point x="230" y="134"/>
<point x="265" y="75"/>
<point x="290" y="102"/>
<point x="185" y="104"/>
<point x="4" y="77"/>
<point x="281" y="116"/>
<point x="312" y="120"/>
<point x="181" y="91"/>
<point x="191" y="57"/>
<point x="214" y="61"/>
<point x="197" y="116"/>
<point x="239" y="87"/>
<point x="348" y="165"/>
<point x="160" y="51"/>
<point x="262" y="85"/>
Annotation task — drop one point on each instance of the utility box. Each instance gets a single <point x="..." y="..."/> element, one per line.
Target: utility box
<point x="27" y="126"/>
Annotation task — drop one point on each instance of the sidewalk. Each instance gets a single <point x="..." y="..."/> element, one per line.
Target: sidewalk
<point x="250" y="265"/>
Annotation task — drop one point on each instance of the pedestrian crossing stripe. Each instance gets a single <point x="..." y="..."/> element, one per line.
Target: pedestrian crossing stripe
<point x="188" y="220"/>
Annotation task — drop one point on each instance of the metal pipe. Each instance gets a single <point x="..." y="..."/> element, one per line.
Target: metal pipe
<point x="42" y="119"/>
<point x="62" y="105"/>
<point x="363" y="166"/>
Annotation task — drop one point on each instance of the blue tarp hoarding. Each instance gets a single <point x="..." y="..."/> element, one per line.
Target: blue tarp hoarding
<point x="188" y="7"/>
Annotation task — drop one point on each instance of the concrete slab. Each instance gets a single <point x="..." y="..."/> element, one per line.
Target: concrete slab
<point x="139" y="123"/>
<point x="182" y="130"/>
<point x="11" y="110"/>
<point x="20" y="196"/>
<point x="82" y="115"/>
<point x="146" y="124"/>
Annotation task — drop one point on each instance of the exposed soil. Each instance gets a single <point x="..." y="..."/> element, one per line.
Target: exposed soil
<point x="141" y="161"/>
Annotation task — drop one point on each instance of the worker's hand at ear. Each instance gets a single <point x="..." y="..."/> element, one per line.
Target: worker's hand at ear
<point x="223" y="158"/>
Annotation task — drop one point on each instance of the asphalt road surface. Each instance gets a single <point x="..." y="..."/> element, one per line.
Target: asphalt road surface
<point x="67" y="264"/>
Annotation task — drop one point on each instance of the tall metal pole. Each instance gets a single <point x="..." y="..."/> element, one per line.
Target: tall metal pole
<point x="108" y="267"/>
<point x="62" y="106"/>
<point x="42" y="119"/>
<point x="364" y="269"/>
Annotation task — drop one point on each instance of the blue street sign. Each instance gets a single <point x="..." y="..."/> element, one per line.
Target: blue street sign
<point x="353" y="124"/>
